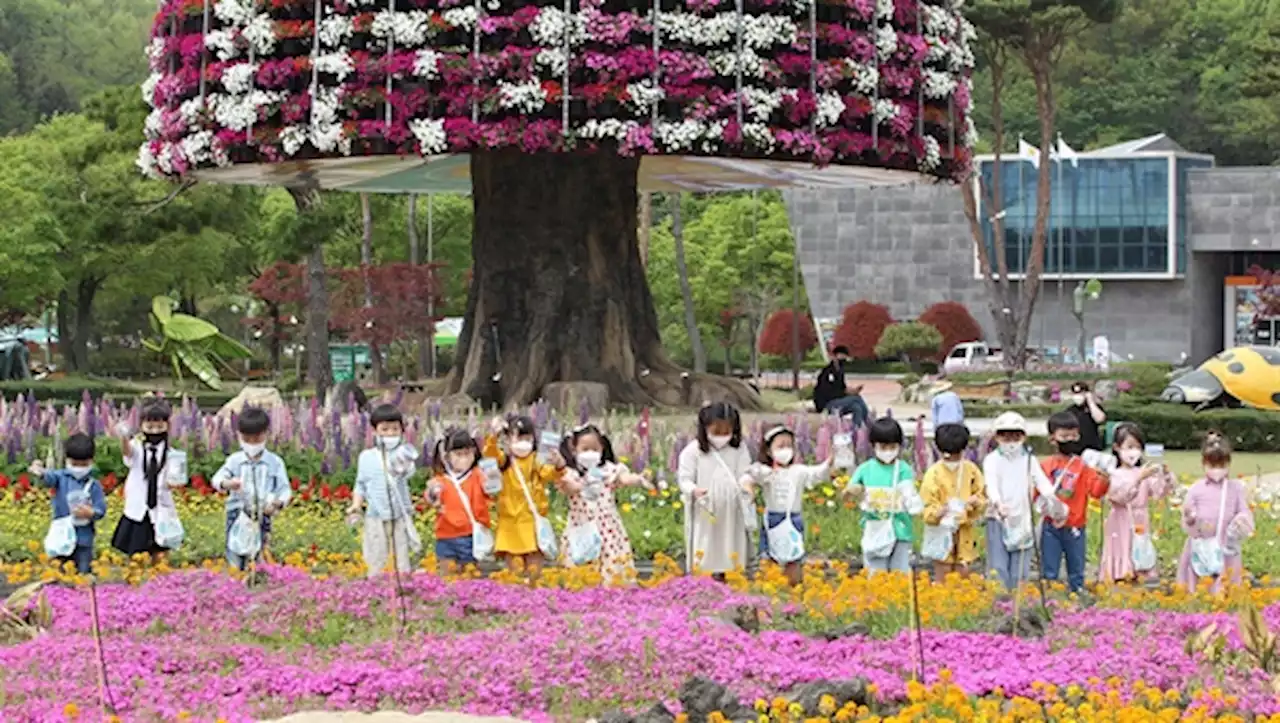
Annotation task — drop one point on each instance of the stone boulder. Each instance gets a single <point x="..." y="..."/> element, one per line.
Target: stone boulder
<point x="1106" y="389"/>
<point x="1029" y="393"/>
<point x="261" y="397"/>
<point x="809" y="695"/>
<point x="570" y="395"/>
<point x="701" y="697"/>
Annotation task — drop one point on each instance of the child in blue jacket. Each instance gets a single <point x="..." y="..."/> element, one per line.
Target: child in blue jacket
<point x="76" y="494"/>
<point x="255" y="481"/>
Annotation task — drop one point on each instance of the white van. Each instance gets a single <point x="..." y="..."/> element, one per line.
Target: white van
<point x="968" y="355"/>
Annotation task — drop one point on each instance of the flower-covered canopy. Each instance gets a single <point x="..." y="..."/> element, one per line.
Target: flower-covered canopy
<point x="726" y="89"/>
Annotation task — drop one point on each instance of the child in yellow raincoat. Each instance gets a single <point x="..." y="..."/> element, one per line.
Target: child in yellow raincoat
<point x="524" y="479"/>
<point x="954" y="495"/>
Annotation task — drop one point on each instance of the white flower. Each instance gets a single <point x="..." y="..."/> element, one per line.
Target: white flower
<point x="766" y="31"/>
<point x="759" y="103"/>
<point x="884" y="109"/>
<point x="222" y="43"/>
<point x="970" y="136"/>
<point x="149" y="88"/>
<point x="430" y="134"/>
<point x="324" y="107"/>
<point x="337" y="63"/>
<point x="527" y="97"/>
<point x="151" y="126"/>
<point x="689" y="134"/>
<point x="241" y="112"/>
<point x="464" y="18"/>
<point x="196" y="148"/>
<point x="238" y="79"/>
<point x="968" y="33"/>
<point x="697" y="30"/>
<point x="261" y="35"/>
<point x="164" y="160"/>
<point x="234" y="12"/>
<point x="406" y="29"/>
<point x="758" y="135"/>
<point x="884" y="9"/>
<point x="938" y="21"/>
<point x="606" y="128"/>
<point x="932" y="154"/>
<point x="328" y="136"/>
<point x="886" y="41"/>
<point x="190" y="111"/>
<point x="644" y="95"/>
<point x="866" y="77"/>
<point x="335" y="29"/>
<point x="727" y="62"/>
<point x="292" y="138"/>
<point x="551" y="26"/>
<point x="938" y="85"/>
<point x="961" y="56"/>
<point x="553" y="59"/>
<point x="426" y="64"/>
<point x="146" y="162"/>
<point x="830" y="108"/>
<point x="155" y="53"/>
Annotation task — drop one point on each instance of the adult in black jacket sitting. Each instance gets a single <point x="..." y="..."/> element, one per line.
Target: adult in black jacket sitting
<point x="830" y="394"/>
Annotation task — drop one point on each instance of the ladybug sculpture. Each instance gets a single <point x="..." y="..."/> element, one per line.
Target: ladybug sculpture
<point x="1244" y="376"/>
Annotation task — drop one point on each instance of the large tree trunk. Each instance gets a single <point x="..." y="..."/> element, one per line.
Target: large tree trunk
<point x="273" y="342"/>
<point x="63" y="321"/>
<point x="646" y="226"/>
<point x="686" y="292"/>
<point x="319" y="373"/>
<point x="558" y="293"/>
<point x="366" y="263"/>
<point x="75" y="344"/>
<point x="1042" y="75"/>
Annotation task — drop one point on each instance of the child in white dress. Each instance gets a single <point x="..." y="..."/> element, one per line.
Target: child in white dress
<point x="784" y="483"/>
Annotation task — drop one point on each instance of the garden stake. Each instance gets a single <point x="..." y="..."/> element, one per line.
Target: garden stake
<point x="1035" y="545"/>
<point x="104" y="692"/>
<point x="915" y="623"/>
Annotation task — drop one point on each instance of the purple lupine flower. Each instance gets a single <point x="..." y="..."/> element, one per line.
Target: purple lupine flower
<point x="397" y="400"/>
<point x="584" y="411"/>
<point x="862" y="442"/>
<point x="923" y="450"/>
<point x="824" y="441"/>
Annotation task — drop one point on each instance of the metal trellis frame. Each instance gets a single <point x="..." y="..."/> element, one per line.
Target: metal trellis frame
<point x="391" y="48"/>
<point x="475" y="55"/>
<point x="315" y="55"/>
<point x="738" y="63"/>
<point x="657" y="46"/>
<point x="204" y="52"/>
<point x="568" y="54"/>
<point x="813" y="71"/>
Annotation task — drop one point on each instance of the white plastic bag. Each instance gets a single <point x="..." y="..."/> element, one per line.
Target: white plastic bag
<point x="583" y="543"/>
<point x="878" y="538"/>
<point x="1143" y="553"/>
<point x="60" y="540"/>
<point x="1208" y="559"/>
<point x="169" y="532"/>
<point x="750" y="519"/>
<point x="481" y="543"/>
<point x="245" y="537"/>
<point x="937" y="543"/>
<point x="1018" y="533"/>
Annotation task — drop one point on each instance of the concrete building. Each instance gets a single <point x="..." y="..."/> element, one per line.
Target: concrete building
<point x="1169" y="235"/>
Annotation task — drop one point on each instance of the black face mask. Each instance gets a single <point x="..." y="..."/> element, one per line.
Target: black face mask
<point x="155" y="437"/>
<point x="1071" y="448"/>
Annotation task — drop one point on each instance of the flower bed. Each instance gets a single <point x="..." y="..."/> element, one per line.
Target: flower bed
<point x="875" y="82"/>
<point x="201" y="646"/>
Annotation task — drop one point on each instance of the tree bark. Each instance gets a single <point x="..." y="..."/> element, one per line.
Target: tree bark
<point x="558" y="293"/>
<point x="273" y="343"/>
<point x="74" y="341"/>
<point x="646" y="226"/>
<point x="686" y="292"/>
<point x="1040" y="61"/>
<point x="318" y="370"/>
<point x="366" y="263"/>
<point x="415" y="257"/>
<point x="63" y="322"/>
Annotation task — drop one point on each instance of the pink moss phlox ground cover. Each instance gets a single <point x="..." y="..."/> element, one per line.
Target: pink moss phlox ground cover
<point x="201" y="643"/>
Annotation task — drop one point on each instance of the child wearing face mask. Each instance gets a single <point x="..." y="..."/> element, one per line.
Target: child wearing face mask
<point x="255" y="481"/>
<point x="460" y="492"/>
<point x="148" y="499"/>
<point x="1073" y="483"/>
<point x="382" y="492"/>
<point x="1011" y="473"/>
<point x="784" y="479"/>
<point x="592" y="477"/>
<point x="76" y="496"/>
<point x="1217" y="520"/>
<point x="523" y="479"/>
<point x="886" y="487"/>
<point x="710" y="473"/>
<point x="1127" y="549"/>
<point x="955" y="500"/>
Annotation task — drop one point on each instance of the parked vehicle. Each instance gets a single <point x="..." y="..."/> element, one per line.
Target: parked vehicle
<point x="971" y="355"/>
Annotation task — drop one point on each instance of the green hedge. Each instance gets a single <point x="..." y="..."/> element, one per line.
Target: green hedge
<point x="1177" y="426"/>
<point x="72" y="390"/>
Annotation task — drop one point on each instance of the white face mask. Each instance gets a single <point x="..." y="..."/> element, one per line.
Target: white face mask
<point x="1131" y="457"/>
<point x="389" y="442"/>
<point x="79" y="472"/>
<point x="1011" y="449"/>
<point x="719" y="441"/>
<point x="523" y="448"/>
<point x="253" y="450"/>
<point x="589" y="459"/>
<point x="1077" y="399"/>
<point x="887" y="454"/>
<point x="1217" y="474"/>
<point x="784" y="455"/>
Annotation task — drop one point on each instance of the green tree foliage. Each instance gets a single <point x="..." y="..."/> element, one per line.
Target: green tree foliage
<point x="911" y="341"/>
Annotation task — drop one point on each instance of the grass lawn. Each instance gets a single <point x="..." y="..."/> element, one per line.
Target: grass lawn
<point x="1186" y="462"/>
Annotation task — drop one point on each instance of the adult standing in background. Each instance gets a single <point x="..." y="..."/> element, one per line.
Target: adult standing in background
<point x="1089" y="413"/>
<point x="831" y="394"/>
<point x="946" y="407"/>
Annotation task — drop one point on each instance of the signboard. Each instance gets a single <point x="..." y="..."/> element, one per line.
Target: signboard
<point x="346" y="360"/>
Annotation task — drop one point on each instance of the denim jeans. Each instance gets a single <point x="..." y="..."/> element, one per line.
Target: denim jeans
<point x="898" y="561"/>
<point x="82" y="556"/>
<point x="1057" y="543"/>
<point x="1012" y="567"/>
<point x="851" y="405"/>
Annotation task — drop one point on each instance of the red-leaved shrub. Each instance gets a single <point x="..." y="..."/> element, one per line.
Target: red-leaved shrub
<point x="954" y="322"/>
<point x="776" y="337"/>
<point x="860" y="328"/>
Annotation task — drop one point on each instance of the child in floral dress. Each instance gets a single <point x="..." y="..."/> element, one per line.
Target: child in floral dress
<point x="1127" y="548"/>
<point x="592" y="478"/>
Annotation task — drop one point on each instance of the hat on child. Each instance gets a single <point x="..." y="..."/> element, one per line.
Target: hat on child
<point x="1009" y="422"/>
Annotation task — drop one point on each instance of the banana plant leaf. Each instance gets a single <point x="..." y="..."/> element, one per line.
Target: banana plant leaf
<point x="181" y="327"/>
<point x="199" y="364"/>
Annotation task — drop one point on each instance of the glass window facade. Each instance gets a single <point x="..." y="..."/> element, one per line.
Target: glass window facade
<point x="1107" y="215"/>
